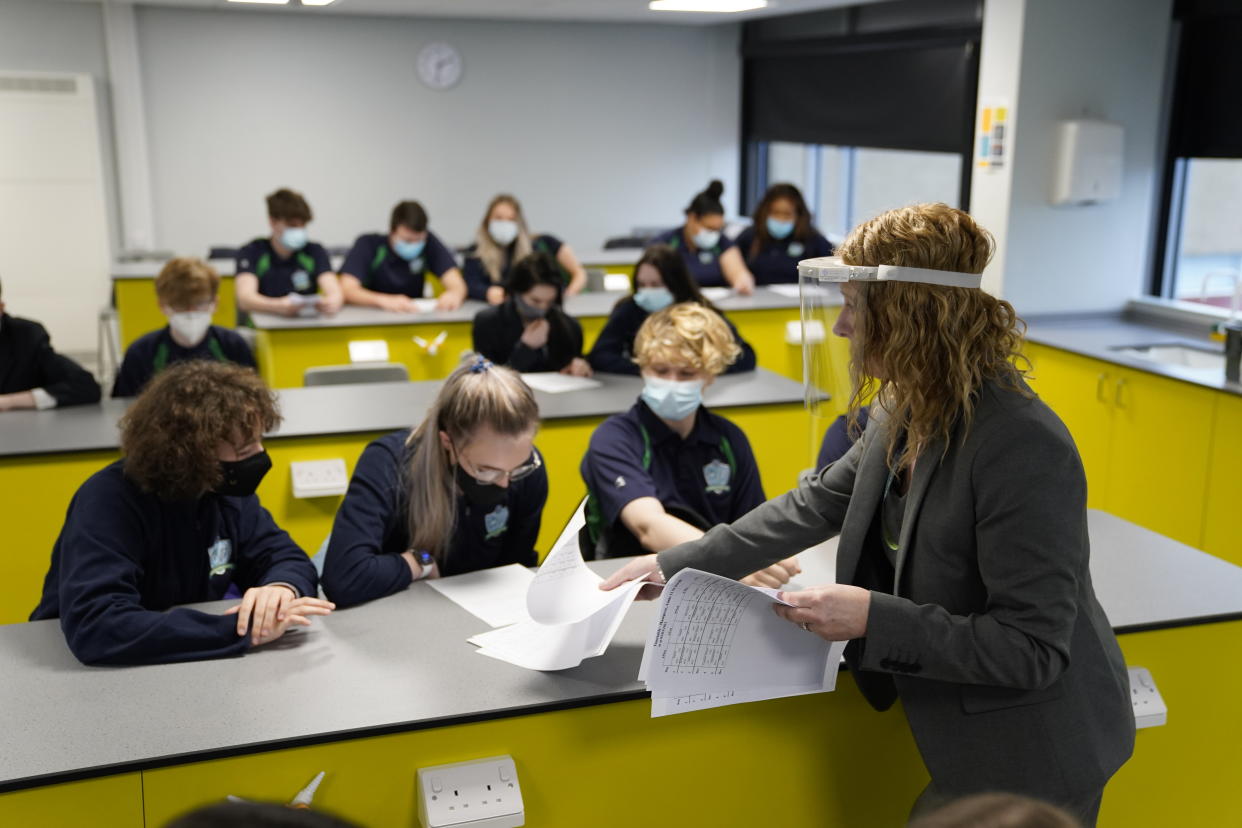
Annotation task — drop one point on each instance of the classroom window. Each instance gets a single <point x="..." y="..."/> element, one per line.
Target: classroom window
<point x="1205" y="231"/>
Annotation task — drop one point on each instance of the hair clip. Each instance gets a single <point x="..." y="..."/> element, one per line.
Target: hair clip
<point x="480" y="365"/>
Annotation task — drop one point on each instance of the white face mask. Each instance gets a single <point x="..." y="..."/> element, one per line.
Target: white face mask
<point x="706" y="239"/>
<point x="190" y="326"/>
<point x="502" y="231"/>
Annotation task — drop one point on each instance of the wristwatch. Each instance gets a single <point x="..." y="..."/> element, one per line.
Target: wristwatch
<point x="427" y="563"/>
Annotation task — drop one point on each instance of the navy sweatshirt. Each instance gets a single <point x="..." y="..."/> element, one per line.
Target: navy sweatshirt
<point x="27" y="361"/>
<point x="125" y="559"/>
<point x="153" y="352"/>
<point x="497" y="335"/>
<point x="613" y="352"/>
<point x="364" y="561"/>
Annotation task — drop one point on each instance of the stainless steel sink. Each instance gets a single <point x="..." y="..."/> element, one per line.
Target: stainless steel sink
<point x="1200" y="360"/>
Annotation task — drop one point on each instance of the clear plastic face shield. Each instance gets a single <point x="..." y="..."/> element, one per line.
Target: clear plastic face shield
<point x="825" y="379"/>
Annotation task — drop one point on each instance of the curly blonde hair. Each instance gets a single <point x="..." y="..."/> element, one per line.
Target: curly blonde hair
<point x="170" y="436"/>
<point x="186" y="282"/>
<point x="687" y="333"/>
<point x="923" y="351"/>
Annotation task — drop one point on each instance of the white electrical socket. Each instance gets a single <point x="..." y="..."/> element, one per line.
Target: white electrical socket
<point x="1149" y="708"/>
<point x="368" y="350"/>
<point x="319" y="478"/>
<point x="482" y="793"/>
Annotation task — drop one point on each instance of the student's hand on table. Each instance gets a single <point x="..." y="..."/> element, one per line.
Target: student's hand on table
<point x="495" y="295"/>
<point x="267" y="611"/>
<point x="776" y="575"/>
<point x="396" y="303"/>
<point x="328" y="305"/>
<point x="836" y="612"/>
<point x="744" y="285"/>
<point x="579" y="367"/>
<point x="642" y="568"/>
<point x="289" y="306"/>
<point x="449" y="301"/>
<point x="16" y="401"/>
<point x="535" y="336"/>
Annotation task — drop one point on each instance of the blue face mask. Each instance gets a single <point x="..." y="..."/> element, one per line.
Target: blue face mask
<point x="672" y="400"/>
<point x="653" y="299"/>
<point x="294" y="238"/>
<point x="408" y="250"/>
<point x="779" y="229"/>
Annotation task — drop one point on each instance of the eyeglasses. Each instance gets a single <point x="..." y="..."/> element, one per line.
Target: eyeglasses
<point x="492" y="477"/>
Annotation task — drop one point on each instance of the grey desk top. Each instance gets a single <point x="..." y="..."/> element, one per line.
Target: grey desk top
<point x="371" y="670"/>
<point x="1098" y="336"/>
<point x="376" y="407"/>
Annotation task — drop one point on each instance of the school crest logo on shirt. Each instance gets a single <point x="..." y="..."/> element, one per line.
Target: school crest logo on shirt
<point x="301" y="280"/>
<point x="496" y="522"/>
<point x="717" y="475"/>
<point x="416" y="265"/>
<point x="796" y="248"/>
<point x="706" y="257"/>
<point x="220" y="557"/>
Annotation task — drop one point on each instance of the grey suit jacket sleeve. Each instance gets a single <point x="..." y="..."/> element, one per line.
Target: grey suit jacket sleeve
<point x="1029" y="495"/>
<point x="784" y="526"/>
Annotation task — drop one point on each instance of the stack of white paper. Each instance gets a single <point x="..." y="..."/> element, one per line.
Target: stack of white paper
<point x="715" y="294"/>
<point x="570" y="618"/>
<point x="553" y="382"/>
<point x="496" y="595"/>
<point x="717" y="642"/>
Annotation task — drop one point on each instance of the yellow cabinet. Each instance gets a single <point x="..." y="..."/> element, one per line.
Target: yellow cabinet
<point x="1222" y="520"/>
<point x="1145" y="440"/>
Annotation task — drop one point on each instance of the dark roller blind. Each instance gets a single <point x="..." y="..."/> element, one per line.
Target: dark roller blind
<point x="1207" y="119"/>
<point x="898" y="96"/>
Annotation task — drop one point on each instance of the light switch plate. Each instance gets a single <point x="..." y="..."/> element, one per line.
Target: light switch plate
<point x="483" y="793"/>
<point x="319" y="478"/>
<point x="368" y="350"/>
<point x="1149" y="708"/>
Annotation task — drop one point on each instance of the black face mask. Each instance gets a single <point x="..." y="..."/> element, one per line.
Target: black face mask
<point x="479" y="494"/>
<point x="528" y="311"/>
<point x="240" y="478"/>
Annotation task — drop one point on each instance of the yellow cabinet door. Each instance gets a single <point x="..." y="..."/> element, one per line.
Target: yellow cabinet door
<point x="1222" y="521"/>
<point x="1158" y="457"/>
<point x="1077" y="389"/>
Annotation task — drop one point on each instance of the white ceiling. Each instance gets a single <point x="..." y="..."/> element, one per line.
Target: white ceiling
<point x="621" y="11"/>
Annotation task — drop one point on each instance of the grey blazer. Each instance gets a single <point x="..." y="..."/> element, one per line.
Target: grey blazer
<point x="990" y="632"/>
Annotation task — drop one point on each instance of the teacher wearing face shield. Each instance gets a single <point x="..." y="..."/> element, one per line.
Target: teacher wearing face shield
<point x="963" y="583"/>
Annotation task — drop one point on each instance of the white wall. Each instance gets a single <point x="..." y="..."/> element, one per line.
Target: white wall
<point x="1068" y="59"/>
<point x="596" y="128"/>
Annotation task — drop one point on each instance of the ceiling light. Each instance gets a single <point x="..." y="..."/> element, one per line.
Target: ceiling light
<point x="265" y="2"/>
<point x="317" y="2"/>
<point x="714" y="6"/>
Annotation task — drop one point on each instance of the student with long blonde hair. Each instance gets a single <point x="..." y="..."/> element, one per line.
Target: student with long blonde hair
<point x="963" y="582"/>
<point x="462" y="491"/>
<point x="502" y="240"/>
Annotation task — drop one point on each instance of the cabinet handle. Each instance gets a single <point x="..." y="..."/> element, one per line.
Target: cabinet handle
<point x="1117" y="393"/>
<point x="1099" y="387"/>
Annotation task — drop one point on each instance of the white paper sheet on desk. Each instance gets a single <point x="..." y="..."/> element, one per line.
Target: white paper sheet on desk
<point x="714" y="634"/>
<point x="496" y="595"/>
<point x="715" y="294"/>
<point x="424" y="305"/>
<point x="565" y="589"/>
<point x="795" y="291"/>
<point x="552" y="382"/>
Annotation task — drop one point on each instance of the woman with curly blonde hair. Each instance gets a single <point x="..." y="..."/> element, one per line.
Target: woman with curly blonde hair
<point x="963" y="584"/>
<point x="176" y="521"/>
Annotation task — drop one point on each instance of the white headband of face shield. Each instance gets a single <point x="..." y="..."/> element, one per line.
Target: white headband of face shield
<point x="832" y="269"/>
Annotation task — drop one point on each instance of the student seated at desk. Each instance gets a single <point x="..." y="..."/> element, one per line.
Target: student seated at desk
<point x="710" y="256"/>
<point x="780" y="237"/>
<point x="387" y="271"/>
<point x="176" y="522"/>
<point x="463" y="491"/>
<point x="501" y="240"/>
<point x="660" y="279"/>
<point x="668" y="469"/>
<point x="840" y="437"/>
<point x="530" y="331"/>
<point x="186" y="289"/>
<point x="32" y="375"/>
<point x="274" y="274"/>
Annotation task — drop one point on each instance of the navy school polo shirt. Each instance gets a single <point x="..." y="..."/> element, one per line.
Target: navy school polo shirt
<point x="704" y="265"/>
<point x="371" y="530"/>
<point x="475" y="274"/>
<point x="777" y="261"/>
<point x="372" y="261"/>
<point x="125" y="559"/>
<point x="153" y="352"/>
<point x="613" y="352"/>
<point x="279" y="277"/>
<point x="711" y="473"/>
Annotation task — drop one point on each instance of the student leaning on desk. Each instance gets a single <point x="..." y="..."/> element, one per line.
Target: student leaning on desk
<point x="780" y="236"/>
<point x="32" y="375"/>
<point x="186" y="289"/>
<point x="668" y="469"/>
<point x="286" y="273"/>
<point x="963" y="582"/>
<point x="463" y="491"/>
<point x="176" y="521"/>
<point x="387" y="272"/>
<point x="711" y="256"/>
<point x="501" y="241"/>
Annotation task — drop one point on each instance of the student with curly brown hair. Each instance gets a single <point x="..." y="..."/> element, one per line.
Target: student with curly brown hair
<point x="177" y="521"/>
<point x="963" y="583"/>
